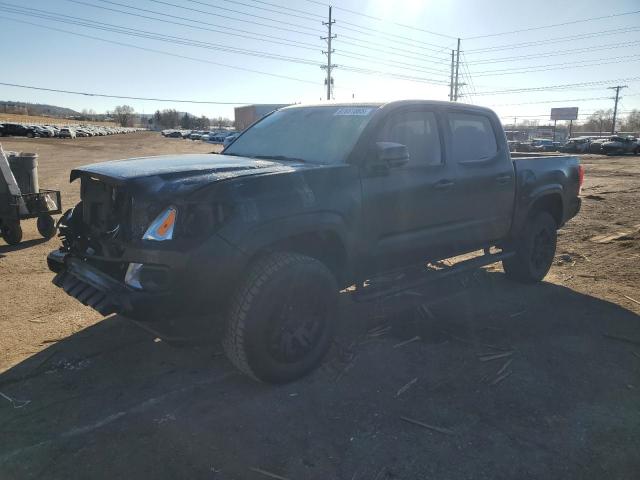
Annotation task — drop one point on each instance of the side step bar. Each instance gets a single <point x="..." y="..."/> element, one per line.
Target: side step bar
<point x="390" y="288"/>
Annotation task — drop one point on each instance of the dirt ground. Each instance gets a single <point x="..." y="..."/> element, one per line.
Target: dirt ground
<point x="504" y="380"/>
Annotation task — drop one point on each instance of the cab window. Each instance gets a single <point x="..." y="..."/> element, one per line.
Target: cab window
<point x="418" y="131"/>
<point x="473" y="138"/>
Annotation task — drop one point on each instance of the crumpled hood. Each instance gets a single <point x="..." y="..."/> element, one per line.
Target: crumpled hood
<point x="171" y="167"/>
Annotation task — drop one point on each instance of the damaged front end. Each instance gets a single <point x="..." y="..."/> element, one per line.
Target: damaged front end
<point x="126" y="253"/>
<point x="98" y="235"/>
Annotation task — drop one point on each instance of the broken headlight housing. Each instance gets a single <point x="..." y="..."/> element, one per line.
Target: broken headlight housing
<point x="163" y="226"/>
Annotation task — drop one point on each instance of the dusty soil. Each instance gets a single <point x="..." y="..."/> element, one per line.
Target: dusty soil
<point x="504" y="381"/>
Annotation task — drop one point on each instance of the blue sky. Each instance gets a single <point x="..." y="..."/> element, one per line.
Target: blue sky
<point x="377" y="41"/>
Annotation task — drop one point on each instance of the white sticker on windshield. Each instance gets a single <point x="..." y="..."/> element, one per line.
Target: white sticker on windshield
<point x="357" y="111"/>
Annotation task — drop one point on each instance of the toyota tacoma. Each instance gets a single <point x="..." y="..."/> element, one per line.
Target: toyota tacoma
<point x="308" y="201"/>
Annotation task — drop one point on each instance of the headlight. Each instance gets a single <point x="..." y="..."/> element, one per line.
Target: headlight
<point x="162" y="227"/>
<point x="132" y="277"/>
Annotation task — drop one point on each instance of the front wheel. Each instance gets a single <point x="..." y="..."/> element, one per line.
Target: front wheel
<point x="535" y="250"/>
<point x="11" y="232"/>
<point x="46" y="225"/>
<point x="282" y="318"/>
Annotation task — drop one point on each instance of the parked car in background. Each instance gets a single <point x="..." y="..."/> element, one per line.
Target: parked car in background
<point x="174" y="134"/>
<point x="596" y="145"/>
<point x="197" y="134"/>
<point x="230" y="138"/>
<point x="53" y="130"/>
<point x="576" y="145"/>
<point x="620" y="146"/>
<point x="17" y="130"/>
<point x="67" y="132"/>
<point x="543" y="145"/>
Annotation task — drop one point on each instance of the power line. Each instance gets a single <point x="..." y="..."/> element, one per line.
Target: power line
<point x="553" y="101"/>
<point x="562" y="66"/>
<point x="391" y="63"/>
<point x="555" y="53"/>
<point x="378" y="35"/>
<point x="292" y="42"/>
<point x="122" y="97"/>
<point x="536" y="43"/>
<point x="184" y="41"/>
<point x="344" y="67"/>
<point x="162" y="52"/>
<point x="161" y="37"/>
<point x="568" y="86"/>
<point x="394" y="37"/>
<point x="239" y="12"/>
<point x="393" y="75"/>
<point x="284" y="8"/>
<point x="307" y="16"/>
<point x="354" y="12"/>
<point x="252" y="22"/>
<point x="553" y="25"/>
<point x="417" y="55"/>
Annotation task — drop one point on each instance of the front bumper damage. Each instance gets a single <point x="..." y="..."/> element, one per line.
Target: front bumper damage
<point x="96" y="289"/>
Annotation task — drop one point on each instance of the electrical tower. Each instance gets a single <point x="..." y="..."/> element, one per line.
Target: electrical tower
<point x="615" y="107"/>
<point x="455" y="90"/>
<point x="453" y="53"/>
<point x="329" y="66"/>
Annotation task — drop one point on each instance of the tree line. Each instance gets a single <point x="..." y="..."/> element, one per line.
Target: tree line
<point x="126" y="116"/>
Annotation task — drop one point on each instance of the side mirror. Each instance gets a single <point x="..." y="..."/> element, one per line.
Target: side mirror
<point x="392" y="154"/>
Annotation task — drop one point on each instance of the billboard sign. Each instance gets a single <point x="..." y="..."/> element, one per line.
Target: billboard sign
<point x="569" y="113"/>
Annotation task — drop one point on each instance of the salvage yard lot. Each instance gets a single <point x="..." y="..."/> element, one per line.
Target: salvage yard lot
<point x="499" y="381"/>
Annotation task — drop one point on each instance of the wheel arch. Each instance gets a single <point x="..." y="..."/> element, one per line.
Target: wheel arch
<point x="323" y="237"/>
<point x="550" y="202"/>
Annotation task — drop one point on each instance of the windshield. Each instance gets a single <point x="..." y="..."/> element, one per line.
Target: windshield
<point x="324" y="134"/>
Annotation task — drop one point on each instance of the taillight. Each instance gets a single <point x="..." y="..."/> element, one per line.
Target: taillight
<point x="580" y="176"/>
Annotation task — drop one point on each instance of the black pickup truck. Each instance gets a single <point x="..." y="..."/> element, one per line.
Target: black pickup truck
<point x="306" y="202"/>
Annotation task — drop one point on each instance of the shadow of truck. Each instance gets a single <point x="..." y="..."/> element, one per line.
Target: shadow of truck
<point x="109" y="402"/>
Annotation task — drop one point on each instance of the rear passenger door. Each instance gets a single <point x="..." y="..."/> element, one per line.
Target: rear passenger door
<point x="484" y="174"/>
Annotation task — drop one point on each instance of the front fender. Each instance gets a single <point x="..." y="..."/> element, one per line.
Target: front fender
<point x="275" y="230"/>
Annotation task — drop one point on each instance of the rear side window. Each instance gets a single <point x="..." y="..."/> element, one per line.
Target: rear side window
<point x="419" y="132"/>
<point x="473" y="137"/>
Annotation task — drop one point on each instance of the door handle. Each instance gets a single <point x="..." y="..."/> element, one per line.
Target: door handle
<point x="503" y="178"/>
<point x="443" y="184"/>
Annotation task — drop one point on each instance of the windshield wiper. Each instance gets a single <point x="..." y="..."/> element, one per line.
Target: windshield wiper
<point x="278" y="157"/>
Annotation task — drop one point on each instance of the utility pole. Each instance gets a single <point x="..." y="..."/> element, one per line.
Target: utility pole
<point x="453" y="52"/>
<point x="455" y="92"/>
<point x="329" y="67"/>
<point x="615" y="107"/>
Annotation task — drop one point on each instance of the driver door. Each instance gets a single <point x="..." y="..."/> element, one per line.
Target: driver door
<point x="405" y="206"/>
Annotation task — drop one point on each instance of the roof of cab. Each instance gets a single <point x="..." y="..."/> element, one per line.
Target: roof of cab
<point x="391" y="104"/>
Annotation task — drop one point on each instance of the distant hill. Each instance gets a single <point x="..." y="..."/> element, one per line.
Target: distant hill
<point x="39" y="109"/>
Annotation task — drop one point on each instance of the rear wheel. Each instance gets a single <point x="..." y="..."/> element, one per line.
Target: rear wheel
<point x="46" y="225"/>
<point x="282" y="318"/>
<point x="535" y="250"/>
<point x="11" y="232"/>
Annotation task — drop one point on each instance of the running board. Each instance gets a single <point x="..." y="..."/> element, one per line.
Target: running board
<point x="374" y="292"/>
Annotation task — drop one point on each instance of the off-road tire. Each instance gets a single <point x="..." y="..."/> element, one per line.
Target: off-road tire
<point x="535" y="249"/>
<point x="275" y="288"/>
<point x="46" y="225"/>
<point x="11" y="232"/>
